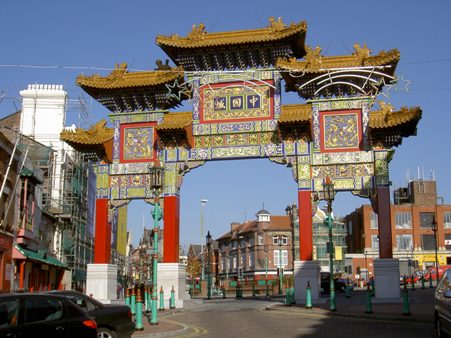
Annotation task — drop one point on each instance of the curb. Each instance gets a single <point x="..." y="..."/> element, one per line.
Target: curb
<point x="398" y="317"/>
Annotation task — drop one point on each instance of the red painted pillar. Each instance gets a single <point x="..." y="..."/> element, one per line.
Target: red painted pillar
<point x="21" y="274"/>
<point x="171" y="234"/>
<point x="384" y="222"/>
<point x="102" y="243"/>
<point x="305" y="225"/>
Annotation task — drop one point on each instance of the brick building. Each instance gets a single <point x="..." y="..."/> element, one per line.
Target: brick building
<point x="255" y="248"/>
<point x="414" y="216"/>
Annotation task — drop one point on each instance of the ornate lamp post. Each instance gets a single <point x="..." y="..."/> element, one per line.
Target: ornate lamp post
<point x="208" y="240"/>
<point x="202" y="203"/>
<point x="265" y="248"/>
<point x="279" y="243"/>
<point x="329" y="194"/>
<point x="434" y="229"/>
<point x="156" y="184"/>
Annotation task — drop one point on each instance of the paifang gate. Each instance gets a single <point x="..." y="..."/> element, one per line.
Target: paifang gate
<point x="234" y="81"/>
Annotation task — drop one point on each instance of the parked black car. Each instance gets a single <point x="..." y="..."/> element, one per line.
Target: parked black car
<point x="113" y="321"/>
<point x="442" y="305"/>
<point x="340" y="284"/>
<point x="43" y="315"/>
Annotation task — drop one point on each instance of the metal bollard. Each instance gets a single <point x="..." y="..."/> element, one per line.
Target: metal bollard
<point x="287" y="296"/>
<point x="133" y="301"/>
<point x="422" y="282"/>
<point x="148" y="300"/>
<point x="127" y="297"/>
<point x="369" y="306"/>
<point x="172" y="301"/>
<point x="161" y="299"/>
<point x="223" y="292"/>
<point x="139" y="311"/>
<point x="308" y="297"/>
<point x="430" y="281"/>
<point x="293" y="300"/>
<point x="405" y="302"/>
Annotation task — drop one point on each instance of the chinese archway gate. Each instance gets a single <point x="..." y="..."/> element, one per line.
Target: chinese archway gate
<point x="234" y="81"/>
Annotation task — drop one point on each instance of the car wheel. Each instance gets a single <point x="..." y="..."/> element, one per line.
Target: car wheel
<point x="103" y="332"/>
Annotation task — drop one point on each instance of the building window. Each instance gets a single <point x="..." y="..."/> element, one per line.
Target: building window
<point x="403" y="220"/>
<point x="447" y="220"/>
<point x="251" y="259"/>
<point x="260" y="239"/>
<point x="448" y="241"/>
<point x="350" y="227"/>
<point x="234" y="244"/>
<point x="375" y="242"/>
<point x="428" y="242"/>
<point x="243" y="261"/>
<point x="277" y="257"/>
<point x="224" y="264"/>
<point x="234" y="262"/>
<point x="426" y="219"/>
<point x="374" y="220"/>
<point x="404" y="242"/>
<point x="275" y="240"/>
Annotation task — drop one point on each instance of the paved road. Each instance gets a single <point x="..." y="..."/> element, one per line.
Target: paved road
<point x="250" y="318"/>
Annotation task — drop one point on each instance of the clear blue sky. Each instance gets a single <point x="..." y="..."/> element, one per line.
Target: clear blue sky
<point x="57" y="35"/>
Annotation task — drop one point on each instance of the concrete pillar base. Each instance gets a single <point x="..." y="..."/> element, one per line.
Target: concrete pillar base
<point x="101" y="282"/>
<point x="386" y="278"/>
<point x="173" y="274"/>
<point x="306" y="271"/>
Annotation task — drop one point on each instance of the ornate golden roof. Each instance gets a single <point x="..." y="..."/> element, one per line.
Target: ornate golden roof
<point x="120" y="77"/>
<point x="295" y="113"/>
<point x="387" y="118"/>
<point x="199" y="38"/>
<point x="178" y="120"/>
<point x="96" y="135"/>
<point x="314" y="62"/>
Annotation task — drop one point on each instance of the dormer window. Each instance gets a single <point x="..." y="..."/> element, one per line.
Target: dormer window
<point x="263" y="216"/>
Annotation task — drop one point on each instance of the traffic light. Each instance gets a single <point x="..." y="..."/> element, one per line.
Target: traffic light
<point x="240" y="273"/>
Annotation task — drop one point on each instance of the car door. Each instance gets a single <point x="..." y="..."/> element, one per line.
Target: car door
<point x="443" y="301"/>
<point x="9" y="315"/>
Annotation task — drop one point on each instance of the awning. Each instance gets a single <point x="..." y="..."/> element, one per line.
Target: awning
<point x="21" y="253"/>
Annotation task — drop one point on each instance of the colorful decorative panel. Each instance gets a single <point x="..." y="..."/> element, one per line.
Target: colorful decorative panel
<point x="236" y="101"/>
<point x="340" y="130"/>
<point x="137" y="143"/>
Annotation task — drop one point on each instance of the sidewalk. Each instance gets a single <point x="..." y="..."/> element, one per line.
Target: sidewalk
<point x="164" y="327"/>
<point x="421" y="306"/>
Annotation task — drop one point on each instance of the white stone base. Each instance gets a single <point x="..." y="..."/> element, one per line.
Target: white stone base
<point x="101" y="283"/>
<point x="172" y="274"/>
<point x="306" y="271"/>
<point x="386" y="278"/>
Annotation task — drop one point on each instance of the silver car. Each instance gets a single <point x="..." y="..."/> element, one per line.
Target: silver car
<point x="442" y="304"/>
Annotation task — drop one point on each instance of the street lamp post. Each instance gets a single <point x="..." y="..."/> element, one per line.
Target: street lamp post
<point x="156" y="183"/>
<point x="329" y="194"/>
<point x="434" y="229"/>
<point x="265" y="248"/>
<point x="208" y="238"/>
<point x="202" y="203"/>
<point x="279" y="242"/>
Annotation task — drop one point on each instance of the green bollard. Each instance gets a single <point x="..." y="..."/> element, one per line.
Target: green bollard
<point x="287" y="297"/>
<point x="308" y="297"/>
<point x="293" y="300"/>
<point x="133" y="301"/>
<point x="413" y="282"/>
<point x="148" y="300"/>
<point x="368" y="305"/>
<point x="253" y="287"/>
<point x="172" y="301"/>
<point x="422" y="282"/>
<point x="127" y="297"/>
<point x="405" y="302"/>
<point x="161" y="299"/>
<point x="430" y="281"/>
<point x="139" y="311"/>
<point x="223" y="292"/>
